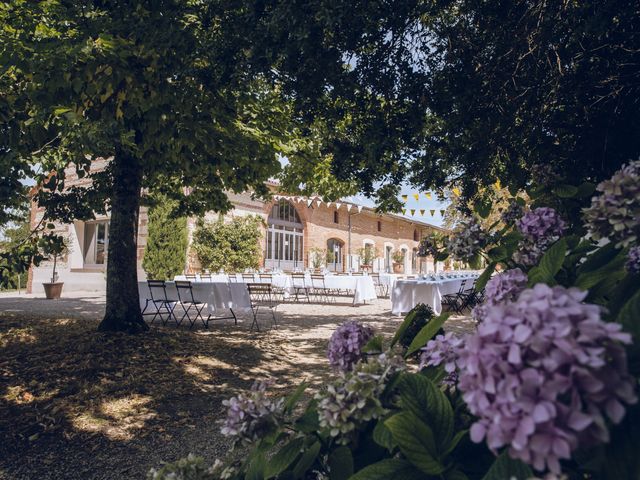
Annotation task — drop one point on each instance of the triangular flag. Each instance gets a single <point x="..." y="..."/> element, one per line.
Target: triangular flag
<point x="404" y="211"/>
<point x="416" y="196"/>
<point x="433" y="212"/>
<point x="349" y="207"/>
<point x="405" y="198"/>
<point x="428" y="195"/>
<point x="442" y="212"/>
<point x="456" y="191"/>
<point x="422" y="212"/>
<point x="318" y="202"/>
<point x="329" y="204"/>
<point x="359" y="208"/>
<point x="413" y="211"/>
<point x="338" y="205"/>
<point x="309" y="202"/>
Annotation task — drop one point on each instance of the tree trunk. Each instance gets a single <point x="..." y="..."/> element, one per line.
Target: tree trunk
<point x="123" y="305"/>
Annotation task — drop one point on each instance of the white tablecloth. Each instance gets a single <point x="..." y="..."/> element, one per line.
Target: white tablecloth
<point x="220" y="297"/>
<point x="406" y="294"/>
<point x="361" y="285"/>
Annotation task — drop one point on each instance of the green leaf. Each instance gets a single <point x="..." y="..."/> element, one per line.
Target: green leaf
<point x="427" y="333"/>
<point x="455" y="474"/>
<point x="256" y="470"/>
<point x="306" y="461"/>
<point x="295" y="397"/>
<point x="308" y="422"/>
<point x="566" y="191"/>
<point x="374" y="345"/>
<point x="455" y="441"/>
<point x="340" y="464"/>
<point x="498" y="253"/>
<point x="629" y="317"/>
<point x="416" y="442"/>
<point x="285" y="457"/>
<point x="592" y="277"/>
<point x="550" y="264"/>
<point x="599" y="258"/>
<point x="426" y="401"/>
<point x="485" y="276"/>
<point x="389" y="469"/>
<point x="382" y="435"/>
<point x="507" y="468"/>
<point x="585" y="189"/>
<point x="403" y="327"/>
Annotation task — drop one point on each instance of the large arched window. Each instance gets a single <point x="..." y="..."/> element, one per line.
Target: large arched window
<point x="284" y="247"/>
<point x="335" y="248"/>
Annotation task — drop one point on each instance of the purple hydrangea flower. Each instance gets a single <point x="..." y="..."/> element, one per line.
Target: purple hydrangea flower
<point x="540" y="228"/>
<point x="346" y="343"/>
<point x="441" y="350"/>
<point x="633" y="260"/>
<point x="542" y="373"/>
<point x="354" y="397"/>
<point x="467" y="241"/>
<point x="428" y="247"/>
<point x="615" y="213"/>
<point x="505" y="286"/>
<point x="251" y="415"/>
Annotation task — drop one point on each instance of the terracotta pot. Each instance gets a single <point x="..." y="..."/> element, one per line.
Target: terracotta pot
<point x="397" y="268"/>
<point x="53" y="290"/>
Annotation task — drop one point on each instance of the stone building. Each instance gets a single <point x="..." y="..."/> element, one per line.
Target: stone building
<point x="295" y="227"/>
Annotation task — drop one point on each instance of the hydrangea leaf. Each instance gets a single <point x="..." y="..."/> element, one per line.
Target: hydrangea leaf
<point x="485" y="276"/>
<point x="550" y="264"/>
<point x="340" y="464"/>
<point x="403" y="327"/>
<point x="427" y="333"/>
<point x="389" y="469"/>
<point x="416" y="442"/>
<point x="589" y="278"/>
<point x="629" y="317"/>
<point x="284" y="458"/>
<point x="505" y="467"/>
<point x="295" y="397"/>
<point x="306" y="461"/>
<point x="426" y="401"/>
<point x="566" y="191"/>
<point x="382" y="435"/>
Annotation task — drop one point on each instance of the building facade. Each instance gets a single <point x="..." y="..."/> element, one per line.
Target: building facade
<point x="296" y="229"/>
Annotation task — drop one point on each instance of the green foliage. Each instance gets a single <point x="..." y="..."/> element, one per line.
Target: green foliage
<point x="412" y="324"/>
<point x="230" y="246"/>
<point x="165" y="254"/>
<point x="318" y="257"/>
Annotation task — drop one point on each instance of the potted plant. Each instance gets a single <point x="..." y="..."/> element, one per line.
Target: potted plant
<point x="398" y="261"/>
<point x="317" y="258"/>
<point x="367" y="255"/>
<point x="54" y="247"/>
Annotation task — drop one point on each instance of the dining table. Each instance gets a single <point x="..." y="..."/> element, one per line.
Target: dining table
<point x="406" y="294"/>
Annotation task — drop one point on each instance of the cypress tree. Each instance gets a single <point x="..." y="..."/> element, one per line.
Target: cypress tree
<point x="166" y="251"/>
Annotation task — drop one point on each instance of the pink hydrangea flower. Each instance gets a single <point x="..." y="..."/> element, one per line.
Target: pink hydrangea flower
<point x="346" y="343"/>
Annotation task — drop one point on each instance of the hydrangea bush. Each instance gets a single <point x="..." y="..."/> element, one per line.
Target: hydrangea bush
<point x="545" y="387"/>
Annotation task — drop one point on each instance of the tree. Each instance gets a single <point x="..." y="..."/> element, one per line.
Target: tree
<point x="165" y="254"/>
<point x="156" y="87"/>
<point x="231" y="246"/>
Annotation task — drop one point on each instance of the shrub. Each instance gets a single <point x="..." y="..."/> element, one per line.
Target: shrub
<point x="166" y="251"/>
<point x="231" y="246"/>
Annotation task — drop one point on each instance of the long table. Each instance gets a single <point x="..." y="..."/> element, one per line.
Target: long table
<point x="406" y="294"/>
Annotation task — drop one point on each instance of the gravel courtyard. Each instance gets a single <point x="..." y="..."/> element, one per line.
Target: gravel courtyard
<point x="72" y="400"/>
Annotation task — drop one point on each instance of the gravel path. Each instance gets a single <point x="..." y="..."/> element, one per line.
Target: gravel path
<point x="78" y="404"/>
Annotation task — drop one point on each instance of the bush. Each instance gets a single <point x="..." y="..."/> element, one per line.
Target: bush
<point x="166" y="252"/>
<point x="415" y="321"/>
<point x="232" y="246"/>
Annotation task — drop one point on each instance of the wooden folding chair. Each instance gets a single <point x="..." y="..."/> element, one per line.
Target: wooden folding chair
<point x="261" y="295"/>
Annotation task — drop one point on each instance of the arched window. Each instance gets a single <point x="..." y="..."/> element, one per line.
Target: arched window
<point x="416" y="235"/>
<point x="284" y="248"/>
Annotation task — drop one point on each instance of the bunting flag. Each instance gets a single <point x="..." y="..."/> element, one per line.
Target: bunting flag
<point x="442" y="212"/>
<point x="318" y="202"/>
<point x="404" y="211"/>
<point x="428" y="195"/>
<point x="329" y="204"/>
<point x="349" y="207"/>
<point x="456" y="191"/>
<point x="422" y="212"/>
<point x="338" y="205"/>
<point x="433" y="212"/>
<point x="359" y="208"/>
<point x="405" y="198"/>
<point x="413" y="211"/>
<point x="416" y="196"/>
<point x="309" y="202"/>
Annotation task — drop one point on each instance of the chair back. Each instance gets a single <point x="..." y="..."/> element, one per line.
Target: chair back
<point x="375" y="277"/>
<point x="462" y="285"/>
<point x="259" y="292"/>
<point x="317" y="281"/>
<point x="265" y="278"/>
<point x="248" y="277"/>
<point x="185" y="291"/>
<point x="192" y="277"/>
<point x="357" y="274"/>
<point x="298" y="280"/>
<point x="157" y="290"/>
<point x="205" y="277"/>
<point x="233" y="277"/>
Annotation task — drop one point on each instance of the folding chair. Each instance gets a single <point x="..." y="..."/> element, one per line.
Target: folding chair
<point x="319" y="288"/>
<point x="160" y="302"/>
<point x="357" y="274"/>
<point x="205" y="277"/>
<point x="378" y="285"/>
<point x="455" y="301"/>
<point x="299" y="284"/>
<point x="233" y="278"/>
<point x="191" y="277"/>
<point x="248" y="278"/>
<point x="261" y="295"/>
<point x="188" y="303"/>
